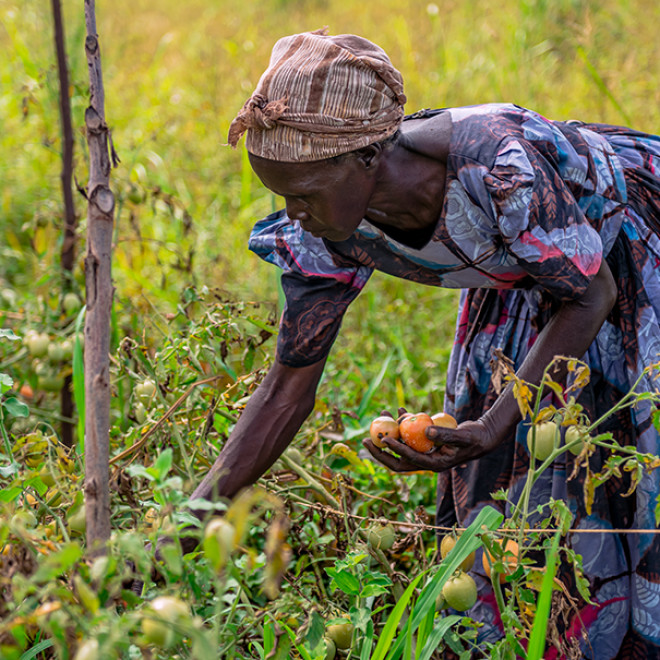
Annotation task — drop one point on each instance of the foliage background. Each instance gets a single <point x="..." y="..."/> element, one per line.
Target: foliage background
<point x="176" y="73"/>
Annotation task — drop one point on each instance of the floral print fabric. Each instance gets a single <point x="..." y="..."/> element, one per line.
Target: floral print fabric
<point x="531" y="208"/>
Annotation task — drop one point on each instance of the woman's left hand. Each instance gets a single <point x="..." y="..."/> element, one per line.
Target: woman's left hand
<point x="453" y="447"/>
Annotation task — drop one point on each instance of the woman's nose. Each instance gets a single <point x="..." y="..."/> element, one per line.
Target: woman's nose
<point x="295" y="211"/>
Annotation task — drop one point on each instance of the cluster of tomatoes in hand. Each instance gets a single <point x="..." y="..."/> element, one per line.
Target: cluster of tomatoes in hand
<point x="410" y="428"/>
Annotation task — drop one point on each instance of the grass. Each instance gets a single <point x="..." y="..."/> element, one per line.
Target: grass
<point x="176" y="74"/>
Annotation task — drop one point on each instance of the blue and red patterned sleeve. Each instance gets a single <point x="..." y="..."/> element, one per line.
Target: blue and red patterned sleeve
<point x="540" y="221"/>
<point x="317" y="288"/>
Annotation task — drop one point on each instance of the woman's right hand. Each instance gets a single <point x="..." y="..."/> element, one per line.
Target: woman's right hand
<point x="453" y="447"/>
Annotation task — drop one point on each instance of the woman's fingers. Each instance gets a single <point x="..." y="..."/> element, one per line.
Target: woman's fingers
<point x="440" y="436"/>
<point x="394" y="463"/>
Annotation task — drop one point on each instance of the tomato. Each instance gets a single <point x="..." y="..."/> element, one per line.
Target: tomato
<point x="145" y="391"/>
<point x="294" y="454"/>
<point x="447" y="545"/>
<point x="67" y="349"/>
<point x="341" y="634"/>
<point x="383" y="427"/>
<point x="444" y="419"/>
<point x="412" y="430"/>
<point x="77" y="521"/>
<point x="163" y="616"/>
<point x="88" y="650"/>
<point x="381" y="537"/>
<point x="23" y="519"/>
<point x="37" y="343"/>
<point x="55" y="353"/>
<point x="330" y="649"/>
<point x="71" y="303"/>
<point x="547" y="434"/>
<point x="574" y="433"/>
<point x="510" y="560"/>
<point x="460" y="592"/>
<point x="219" y="541"/>
<point x="140" y="413"/>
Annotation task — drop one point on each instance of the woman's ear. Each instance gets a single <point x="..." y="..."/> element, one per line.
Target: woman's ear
<point x="370" y="155"/>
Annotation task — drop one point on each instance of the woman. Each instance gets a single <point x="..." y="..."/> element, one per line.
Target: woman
<point x="550" y="228"/>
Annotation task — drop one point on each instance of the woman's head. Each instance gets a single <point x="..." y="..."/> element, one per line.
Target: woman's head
<point x="320" y="97"/>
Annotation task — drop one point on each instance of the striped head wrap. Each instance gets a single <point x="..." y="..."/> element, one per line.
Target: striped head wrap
<point x="321" y="96"/>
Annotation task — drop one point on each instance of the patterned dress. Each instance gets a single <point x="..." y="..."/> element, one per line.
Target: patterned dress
<point x="531" y="208"/>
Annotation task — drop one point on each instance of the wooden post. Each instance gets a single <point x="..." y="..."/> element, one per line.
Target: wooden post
<point x="99" y="290"/>
<point x="66" y="176"/>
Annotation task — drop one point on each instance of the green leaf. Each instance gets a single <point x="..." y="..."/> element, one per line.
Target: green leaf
<point x="57" y="563"/>
<point x="345" y="581"/>
<point x="316" y="630"/>
<point x="10" y="494"/>
<point x="6" y="333"/>
<point x="163" y="463"/>
<point x="6" y="383"/>
<point x="15" y="407"/>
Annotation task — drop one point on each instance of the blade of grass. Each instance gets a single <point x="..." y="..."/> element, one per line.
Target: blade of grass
<point x="37" y="649"/>
<point x="78" y="378"/>
<point x="373" y="386"/>
<point x="536" y="646"/>
<point x="389" y="630"/>
<point x="365" y="652"/>
<point x="437" y="635"/>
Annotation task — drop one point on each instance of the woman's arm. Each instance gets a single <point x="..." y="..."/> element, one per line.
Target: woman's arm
<point x="569" y="332"/>
<point x="271" y="419"/>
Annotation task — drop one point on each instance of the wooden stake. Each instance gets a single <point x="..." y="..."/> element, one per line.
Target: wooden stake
<point x="99" y="290"/>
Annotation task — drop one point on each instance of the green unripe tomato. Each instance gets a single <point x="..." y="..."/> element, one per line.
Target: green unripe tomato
<point x="23" y="519"/>
<point x="330" y="649"/>
<point x="219" y="541"/>
<point x="145" y="390"/>
<point x="51" y="381"/>
<point x="71" y="303"/>
<point x="460" y="592"/>
<point x="88" y="650"/>
<point x="547" y="434"/>
<point x="77" y="521"/>
<point x="164" y="615"/>
<point x="37" y="343"/>
<point x="381" y="537"/>
<point x="341" y="634"/>
<point x="67" y="350"/>
<point x="447" y="545"/>
<point x="294" y="454"/>
<point x="55" y="353"/>
<point x="574" y="433"/>
<point x="140" y="412"/>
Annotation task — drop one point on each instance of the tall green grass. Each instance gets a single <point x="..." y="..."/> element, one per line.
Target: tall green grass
<point x="175" y="75"/>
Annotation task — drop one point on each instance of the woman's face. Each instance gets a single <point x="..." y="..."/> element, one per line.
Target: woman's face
<point x="328" y="198"/>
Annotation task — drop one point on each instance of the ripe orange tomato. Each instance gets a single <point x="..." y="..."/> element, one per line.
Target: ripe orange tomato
<point x="510" y="560"/>
<point x="412" y="432"/>
<point x="383" y="427"/>
<point x="444" y="419"/>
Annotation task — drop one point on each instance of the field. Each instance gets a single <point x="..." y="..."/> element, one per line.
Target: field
<point x="192" y="303"/>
